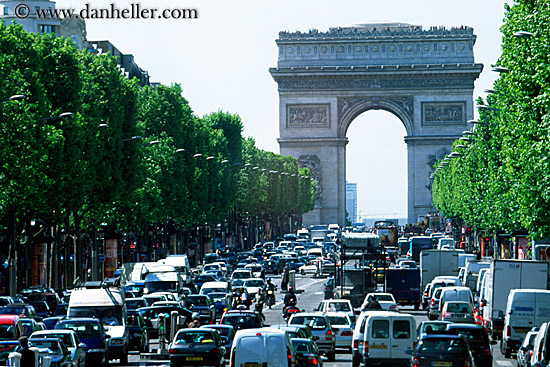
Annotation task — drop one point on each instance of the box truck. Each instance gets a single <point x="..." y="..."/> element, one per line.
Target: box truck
<point x="502" y="277"/>
<point x="404" y="285"/>
<point x="435" y="263"/>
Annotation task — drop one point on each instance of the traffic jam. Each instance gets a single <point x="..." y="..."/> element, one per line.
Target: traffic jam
<point x="389" y="297"/>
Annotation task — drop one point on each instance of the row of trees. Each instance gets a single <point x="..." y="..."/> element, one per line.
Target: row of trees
<point x="499" y="176"/>
<point x="124" y="155"/>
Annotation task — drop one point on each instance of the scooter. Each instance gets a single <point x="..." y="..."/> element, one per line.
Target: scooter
<point x="290" y="310"/>
<point x="270" y="298"/>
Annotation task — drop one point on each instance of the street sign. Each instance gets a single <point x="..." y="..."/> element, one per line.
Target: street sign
<point x="101" y="258"/>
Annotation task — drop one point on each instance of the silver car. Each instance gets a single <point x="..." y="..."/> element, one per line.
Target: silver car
<point x="321" y="327"/>
<point x="71" y="341"/>
<point x="433" y="306"/>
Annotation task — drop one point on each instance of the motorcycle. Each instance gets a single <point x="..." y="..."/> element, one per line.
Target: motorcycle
<point x="270" y="298"/>
<point x="290" y="310"/>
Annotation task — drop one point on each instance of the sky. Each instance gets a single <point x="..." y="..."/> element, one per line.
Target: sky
<point x="222" y="59"/>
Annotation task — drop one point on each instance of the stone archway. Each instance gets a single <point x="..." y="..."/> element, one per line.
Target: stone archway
<point x="325" y="80"/>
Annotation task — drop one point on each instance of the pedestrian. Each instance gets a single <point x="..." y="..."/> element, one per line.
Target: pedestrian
<point x="284" y="280"/>
<point x="28" y="358"/>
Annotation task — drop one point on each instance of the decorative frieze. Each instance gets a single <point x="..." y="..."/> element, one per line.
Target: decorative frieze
<point x="314" y="164"/>
<point x="443" y="113"/>
<point x="342" y="83"/>
<point x="308" y="115"/>
<point x="405" y="103"/>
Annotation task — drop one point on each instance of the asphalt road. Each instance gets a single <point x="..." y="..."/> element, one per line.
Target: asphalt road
<point x="308" y="300"/>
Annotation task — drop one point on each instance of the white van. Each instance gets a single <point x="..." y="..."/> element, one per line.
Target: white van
<point x="109" y="307"/>
<point x="525" y="309"/>
<point x="181" y="264"/>
<point x="316" y="251"/>
<point x="451" y="294"/>
<point x="262" y="347"/>
<point x="388" y="336"/>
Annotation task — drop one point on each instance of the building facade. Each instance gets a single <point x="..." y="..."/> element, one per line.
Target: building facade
<point x="351" y="201"/>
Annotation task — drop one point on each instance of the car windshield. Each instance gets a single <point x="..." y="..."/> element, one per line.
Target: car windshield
<point x="217" y="297"/>
<point x="83" y="329"/>
<point x="67" y="339"/>
<point x="434" y="326"/>
<point x="385" y="297"/>
<point x="472" y="334"/>
<point x="6" y="332"/>
<point x="301" y="347"/>
<point x="106" y="314"/>
<point x="133" y="303"/>
<point x="223" y="331"/>
<point x="198" y="336"/>
<point x="46" y="344"/>
<point x="198" y="301"/>
<point x="254" y="283"/>
<point x="10" y="310"/>
<point x="458" y="307"/>
<point x="339" y="306"/>
<point x="161" y="286"/>
<point x="314" y="322"/>
<point x="247" y="321"/>
<point x="339" y="320"/>
<point x="442" y="346"/>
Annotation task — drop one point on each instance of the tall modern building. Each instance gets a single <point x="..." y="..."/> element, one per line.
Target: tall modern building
<point x="351" y="201"/>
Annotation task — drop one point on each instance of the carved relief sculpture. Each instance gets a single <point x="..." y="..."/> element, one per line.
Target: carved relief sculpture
<point x="317" y="115"/>
<point x="443" y="113"/>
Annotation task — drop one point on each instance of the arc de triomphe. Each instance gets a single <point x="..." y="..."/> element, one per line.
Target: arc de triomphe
<point x="327" y="79"/>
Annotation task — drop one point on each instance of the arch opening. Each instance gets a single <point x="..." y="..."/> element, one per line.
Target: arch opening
<point x="376" y="160"/>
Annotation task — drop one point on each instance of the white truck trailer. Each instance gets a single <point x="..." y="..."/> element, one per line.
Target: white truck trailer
<point x="435" y="263"/>
<point x="503" y="276"/>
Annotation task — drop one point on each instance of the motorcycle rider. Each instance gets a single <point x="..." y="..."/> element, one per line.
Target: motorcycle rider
<point x="290" y="301"/>
<point x="270" y="297"/>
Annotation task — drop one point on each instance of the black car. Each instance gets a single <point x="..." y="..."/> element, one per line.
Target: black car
<point x="204" y="306"/>
<point x="329" y="288"/>
<point x="210" y="258"/>
<point x="139" y="332"/>
<point x="203" y="278"/>
<point x="197" y="347"/>
<point x="478" y="341"/>
<point x="227" y="333"/>
<point x="42" y="309"/>
<point x="270" y="266"/>
<point x="443" y="350"/>
<point x="293" y="263"/>
<point x="307" y="354"/>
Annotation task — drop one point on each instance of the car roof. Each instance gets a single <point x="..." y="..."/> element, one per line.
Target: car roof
<point x="440" y="336"/>
<point x="79" y="319"/>
<point x="464" y="326"/>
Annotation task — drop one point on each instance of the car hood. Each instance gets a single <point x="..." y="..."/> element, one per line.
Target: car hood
<point x="115" y="331"/>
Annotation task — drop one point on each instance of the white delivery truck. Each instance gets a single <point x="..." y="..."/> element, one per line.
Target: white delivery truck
<point x="471" y="272"/>
<point x="502" y="277"/>
<point x="108" y="306"/>
<point x="525" y="309"/>
<point x="181" y="263"/>
<point x="463" y="257"/>
<point x="434" y="263"/>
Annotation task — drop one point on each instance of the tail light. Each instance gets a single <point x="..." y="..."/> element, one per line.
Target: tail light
<point x="530" y="353"/>
<point x="289" y="356"/>
<point x="328" y="336"/>
<point x="172" y="351"/>
<point x="508" y="331"/>
<point x="432" y="303"/>
<point x="415" y="362"/>
<point x="366" y="348"/>
<point x="312" y="361"/>
<point x="468" y="362"/>
<point x="355" y="343"/>
<point x="447" y="314"/>
<point x="487" y="352"/>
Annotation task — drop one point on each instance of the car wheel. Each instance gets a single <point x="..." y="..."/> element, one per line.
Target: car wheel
<point x="124" y="359"/>
<point x="302" y="272"/>
<point x="331" y="356"/>
<point x="355" y="362"/>
<point x="416" y="307"/>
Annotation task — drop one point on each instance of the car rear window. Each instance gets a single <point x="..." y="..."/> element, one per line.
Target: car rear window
<point x="314" y="322"/>
<point x="338" y="320"/>
<point x="247" y="321"/>
<point x="439" y="346"/>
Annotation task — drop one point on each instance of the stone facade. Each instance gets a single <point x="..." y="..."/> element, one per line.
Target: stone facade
<point x="327" y="79"/>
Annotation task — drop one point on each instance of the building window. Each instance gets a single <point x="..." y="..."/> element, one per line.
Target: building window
<point x="46" y="28"/>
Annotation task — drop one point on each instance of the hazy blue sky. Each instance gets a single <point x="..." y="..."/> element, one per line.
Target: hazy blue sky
<point x="222" y="61"/>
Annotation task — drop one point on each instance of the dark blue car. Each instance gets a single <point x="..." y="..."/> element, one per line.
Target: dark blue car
<point x="90" y="332"/>
<point x="220" y="302"/>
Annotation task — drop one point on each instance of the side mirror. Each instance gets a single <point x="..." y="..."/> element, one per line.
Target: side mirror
<point x="82" y="346"/>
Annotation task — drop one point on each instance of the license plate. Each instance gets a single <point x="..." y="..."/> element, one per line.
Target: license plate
<point x="381" y="346"/>
<point x="441" y="364"/>
<point x="193" y="358"/>
<point x="251" y="365"/>
<point x="521" y="330"/>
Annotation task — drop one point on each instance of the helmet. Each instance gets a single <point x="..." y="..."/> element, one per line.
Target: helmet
<point x="291" y="288"/>
<point x="269" y="279"/>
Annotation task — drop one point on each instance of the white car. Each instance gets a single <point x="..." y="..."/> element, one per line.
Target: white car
<point x="256" y="269"/>
<point x="342" y="325"/>
<point x="253" y="286"/>
<point x="309" y="268"/>
<point x="385" y="300"/>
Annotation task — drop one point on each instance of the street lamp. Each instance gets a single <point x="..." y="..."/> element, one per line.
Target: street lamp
<point x="500" y="69"/>
<point x="198" y="155"/>
<point x="487" y="108"/>
<point x="60" y="116"/>
<point x="225" y="161"/>
<point x="136" y="137"/>
<point x="210" y="158"/>
<point x="181" y="150"/>
<point x="15" y="97"/>
<point x="522" y="34"/>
